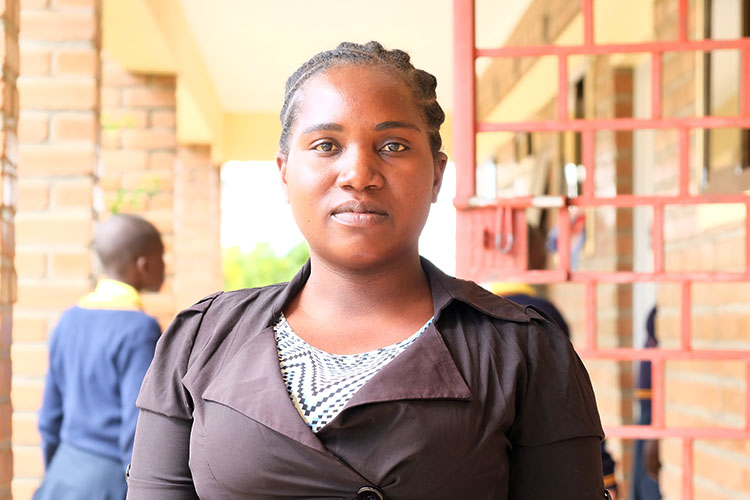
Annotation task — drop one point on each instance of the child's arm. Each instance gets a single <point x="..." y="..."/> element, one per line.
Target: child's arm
<point x="50" y="419"/>
<point x="51" y="413"/>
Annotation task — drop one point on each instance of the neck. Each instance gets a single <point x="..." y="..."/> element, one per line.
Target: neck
<point x="125" y="279"/>
<point x="336" y="292"/>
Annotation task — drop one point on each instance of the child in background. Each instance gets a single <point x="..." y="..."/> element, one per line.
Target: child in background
<point x="98" y="355"/>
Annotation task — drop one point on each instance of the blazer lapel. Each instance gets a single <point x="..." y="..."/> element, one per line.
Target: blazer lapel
<point x="250" y="383"/>
<point x="425" y="370"/>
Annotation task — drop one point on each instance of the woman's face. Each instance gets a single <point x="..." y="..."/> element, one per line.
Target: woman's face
<point x="360" y="176"/>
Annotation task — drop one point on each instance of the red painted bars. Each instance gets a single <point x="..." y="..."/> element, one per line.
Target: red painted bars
<point x="471" y="258"/>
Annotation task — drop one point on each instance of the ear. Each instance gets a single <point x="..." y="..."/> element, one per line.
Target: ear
<point x="281" y="163"/>
<point x="141" y="269"/>
<point x="439" y="163"/>
<point x="141" y="264"/>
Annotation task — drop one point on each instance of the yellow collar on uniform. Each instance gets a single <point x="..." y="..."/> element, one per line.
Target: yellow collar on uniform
<point x="112" y="294"/>
<point x="500" y="288"/>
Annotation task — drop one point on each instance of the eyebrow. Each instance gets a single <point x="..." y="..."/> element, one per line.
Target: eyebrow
<point x="323" y="126"/>
<point x="396" y="124"/>
<point x="380" y="126"/>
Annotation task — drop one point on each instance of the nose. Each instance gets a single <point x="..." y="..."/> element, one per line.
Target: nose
<point x="359" y="170"/>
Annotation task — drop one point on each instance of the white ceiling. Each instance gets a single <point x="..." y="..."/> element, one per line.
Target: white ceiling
<point x="250" y="47"/>
<point x="268" y="40"/>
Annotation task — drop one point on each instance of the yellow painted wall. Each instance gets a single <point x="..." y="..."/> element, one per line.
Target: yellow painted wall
<point x="251" y="136"/>
<point x="131" y="35"/>
<point x="153" y="37"/>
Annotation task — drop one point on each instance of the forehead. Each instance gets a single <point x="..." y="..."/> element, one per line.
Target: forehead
<point x="368" y="93"/>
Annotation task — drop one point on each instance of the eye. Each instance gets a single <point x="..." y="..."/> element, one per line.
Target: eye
<point x="325" y="147"/>
<point x="394" y="147"/>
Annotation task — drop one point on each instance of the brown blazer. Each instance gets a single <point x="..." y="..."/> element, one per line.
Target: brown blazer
<point x="490" y="402"/>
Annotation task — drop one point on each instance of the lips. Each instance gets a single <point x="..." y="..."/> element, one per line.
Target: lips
<point x="359" y="213"/>
<point x="359" y="207"/>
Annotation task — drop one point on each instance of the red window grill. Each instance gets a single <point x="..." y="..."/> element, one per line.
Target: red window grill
<point x="484" y="228"/>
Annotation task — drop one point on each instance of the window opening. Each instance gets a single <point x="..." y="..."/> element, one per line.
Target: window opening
<point x="723" y="170"/>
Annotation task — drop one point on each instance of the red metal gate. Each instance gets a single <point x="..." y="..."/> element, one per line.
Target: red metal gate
<point x="486" y="227"/>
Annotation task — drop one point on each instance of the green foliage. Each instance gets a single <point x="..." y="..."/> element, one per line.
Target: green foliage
<point x="261" y="266"/>
<point x="135" y="199"/>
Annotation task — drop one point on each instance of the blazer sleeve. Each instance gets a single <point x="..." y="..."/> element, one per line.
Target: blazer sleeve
<point x="556" y="437"/>
<point x="133" y="362"/>
<point x="159" y="469"/>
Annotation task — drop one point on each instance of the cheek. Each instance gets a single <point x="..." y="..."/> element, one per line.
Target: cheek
<point x="420" y="189"/>
<point x="306" y="190"/>
<point x="302" y="188"/>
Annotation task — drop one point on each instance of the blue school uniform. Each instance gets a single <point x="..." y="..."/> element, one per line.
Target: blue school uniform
<point x="99" y="353"/>
<point x="644" y="487"/>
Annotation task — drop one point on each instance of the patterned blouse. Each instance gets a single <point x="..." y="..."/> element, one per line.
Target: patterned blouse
<point x="320" y="383"/>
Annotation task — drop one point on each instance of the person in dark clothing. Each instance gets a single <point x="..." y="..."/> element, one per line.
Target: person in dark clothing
<point x="646" y="463"/>
<point x="98" y="354"/>
<point x="371" y="374"/>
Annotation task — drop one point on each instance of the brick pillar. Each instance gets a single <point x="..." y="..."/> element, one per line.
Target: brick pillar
<point x="8" y="162"/>
<point x="139" y="149"/>
<point x="58" y="136"/>
<point x="197" y="218"/>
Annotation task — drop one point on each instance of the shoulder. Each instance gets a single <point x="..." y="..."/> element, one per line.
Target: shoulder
<point x="554" y="387"/>
<point x="131" y="326"/>
<point x="220" y="303"/>
<point x="491" y="329"/>
<point x="456" y="295"/>
<point x="66" y="325"/>
<point x="141" y="327"/>
<point x="473" y="303"/>
<point x="501" y="329"/>
<point x="215" y="317"/>
<point x="221" y="311"/>
<point x="198" y="336"/>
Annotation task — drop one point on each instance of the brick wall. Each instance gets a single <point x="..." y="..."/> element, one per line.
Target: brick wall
<point x="58" y="138"/>
<point x="9" y="108"/>
<point x="708" y="393"/>
<point x="93" y="139"/>
<point x="196" y="226"/>
<point x="139" y="150"/>
<point x="700" y="394"/>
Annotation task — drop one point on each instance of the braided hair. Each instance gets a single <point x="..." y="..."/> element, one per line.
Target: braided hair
<point x="421" y="83"/>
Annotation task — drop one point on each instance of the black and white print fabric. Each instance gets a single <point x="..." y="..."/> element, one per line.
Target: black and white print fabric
<point x="320" y="383"/>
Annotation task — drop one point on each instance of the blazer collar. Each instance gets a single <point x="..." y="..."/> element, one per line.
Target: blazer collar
<point x="446" y="289"/>
<point x="250" y="381"/>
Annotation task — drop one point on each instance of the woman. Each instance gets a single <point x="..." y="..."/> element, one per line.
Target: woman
<point x="371" y="374"/>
